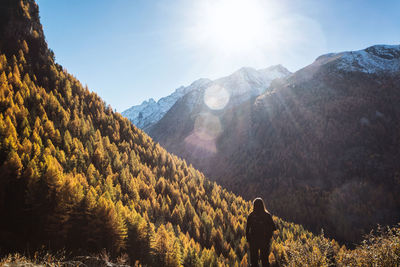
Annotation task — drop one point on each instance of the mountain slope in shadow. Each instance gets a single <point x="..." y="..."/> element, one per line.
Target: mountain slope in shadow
<point x="321" y="145"/>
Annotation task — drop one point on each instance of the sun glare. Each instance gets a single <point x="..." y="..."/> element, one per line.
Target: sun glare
<point x="224" y="35"/>
<point x="231" y="25"/>
<point x="216" y="97"/>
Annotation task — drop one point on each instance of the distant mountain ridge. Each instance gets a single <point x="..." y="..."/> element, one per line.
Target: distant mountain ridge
<point x="150" y="112"/>
<point x="245" y="82"/>
<point x="316" y="145"/>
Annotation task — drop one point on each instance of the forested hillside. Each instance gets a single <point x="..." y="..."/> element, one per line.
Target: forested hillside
<point x="77" y="176"/>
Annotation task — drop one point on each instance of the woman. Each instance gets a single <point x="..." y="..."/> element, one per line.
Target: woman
<point x="259" y="230"/>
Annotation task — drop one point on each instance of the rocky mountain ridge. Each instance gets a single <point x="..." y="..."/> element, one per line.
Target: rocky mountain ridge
<point x="150" y="111"/>
<point x="244" y="83"/>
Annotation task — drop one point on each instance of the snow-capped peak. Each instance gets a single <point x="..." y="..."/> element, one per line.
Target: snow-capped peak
<point x="275" y="71"/>
<point x="377" y="58"/>
<point x="150" y="111"/>
<point x="148" y="102"/>
<point x="251" y="81"/>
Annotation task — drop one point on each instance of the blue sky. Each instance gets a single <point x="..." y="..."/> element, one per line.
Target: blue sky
<point x="132" y="50"/>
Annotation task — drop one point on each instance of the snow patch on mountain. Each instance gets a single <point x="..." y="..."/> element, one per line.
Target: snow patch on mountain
<point x="150" y="111"/>
<point x="374" y="59"/>
<point x="250" y="81"/>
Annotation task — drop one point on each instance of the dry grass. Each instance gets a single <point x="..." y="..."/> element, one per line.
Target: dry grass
<point x="380" y="248"/>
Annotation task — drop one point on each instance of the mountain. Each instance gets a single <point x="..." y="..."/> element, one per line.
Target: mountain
<point x="150" y="112"/>
<point x="242" y="84"/>
<point x="321" y="145"/>
<point x="78" y="177"/>
<point x="374" y="59"/>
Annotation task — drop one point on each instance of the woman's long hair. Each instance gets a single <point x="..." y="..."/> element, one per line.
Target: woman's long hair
<point x="258" y="205"/>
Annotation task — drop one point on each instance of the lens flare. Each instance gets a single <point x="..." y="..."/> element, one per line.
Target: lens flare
<point x="202" y="140"/>
<point x="207" y="127"/>
<point x="216" y="97"/>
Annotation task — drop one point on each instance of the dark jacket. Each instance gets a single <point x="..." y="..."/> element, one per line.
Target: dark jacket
<point x="260" y="227"/>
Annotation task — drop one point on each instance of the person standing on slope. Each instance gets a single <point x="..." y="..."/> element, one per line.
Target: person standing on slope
<point x="259" y="230"/>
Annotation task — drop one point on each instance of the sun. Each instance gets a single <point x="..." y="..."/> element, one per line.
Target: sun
<point x="231" y="26"/>
<point x="225" y="35"/>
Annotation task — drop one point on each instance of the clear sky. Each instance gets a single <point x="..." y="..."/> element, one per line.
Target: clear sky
<point x="128" y="51"/>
